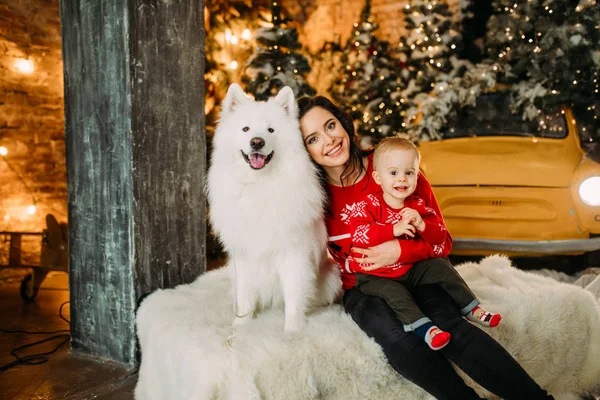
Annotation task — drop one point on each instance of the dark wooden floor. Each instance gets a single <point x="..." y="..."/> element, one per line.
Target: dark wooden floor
<point x="65" y="376"/>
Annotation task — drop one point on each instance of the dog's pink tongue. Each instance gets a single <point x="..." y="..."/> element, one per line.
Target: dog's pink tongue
<point x="257" y="160"/>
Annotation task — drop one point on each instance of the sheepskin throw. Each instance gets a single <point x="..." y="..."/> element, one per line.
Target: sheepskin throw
<point x="190" y="352"/>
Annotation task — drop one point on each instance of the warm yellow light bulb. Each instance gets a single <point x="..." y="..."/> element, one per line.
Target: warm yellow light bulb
<point x="24" y="66"/>
<point x="31" y="209"/>
<point x="246" y="34"/>
<point x="234" y="40"/>
<point x="3" y="151"/>
<point x="233" y="65"/>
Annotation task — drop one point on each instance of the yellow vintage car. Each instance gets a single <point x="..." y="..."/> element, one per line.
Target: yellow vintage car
<point x="516" y="187"/>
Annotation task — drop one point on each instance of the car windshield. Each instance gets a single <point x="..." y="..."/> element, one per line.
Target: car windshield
<point x="492" y="117"/>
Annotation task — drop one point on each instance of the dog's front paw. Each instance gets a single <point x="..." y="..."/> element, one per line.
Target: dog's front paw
<point x="294" y="324"/>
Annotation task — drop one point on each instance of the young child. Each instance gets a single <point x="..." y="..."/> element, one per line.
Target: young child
<point x="397" y="213"/>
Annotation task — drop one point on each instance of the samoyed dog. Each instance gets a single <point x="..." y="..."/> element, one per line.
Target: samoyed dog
<point x="266" y="206"/>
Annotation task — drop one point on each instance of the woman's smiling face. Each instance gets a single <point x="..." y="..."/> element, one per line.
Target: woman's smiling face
<point x="326" y="140"/>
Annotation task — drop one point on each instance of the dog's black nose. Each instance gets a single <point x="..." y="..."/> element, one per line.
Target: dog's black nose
<point x="257" y="143"/>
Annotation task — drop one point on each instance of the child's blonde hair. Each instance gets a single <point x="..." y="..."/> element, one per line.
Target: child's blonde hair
<point x="394" y="143"/>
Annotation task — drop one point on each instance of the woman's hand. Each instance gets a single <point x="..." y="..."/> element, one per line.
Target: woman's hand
<point x="380" y="256"/>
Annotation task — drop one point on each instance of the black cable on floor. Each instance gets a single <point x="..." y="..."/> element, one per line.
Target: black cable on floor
<point x="38" y="358"/>
<point x="60" y="312"/>
<point x="34" y="359"/>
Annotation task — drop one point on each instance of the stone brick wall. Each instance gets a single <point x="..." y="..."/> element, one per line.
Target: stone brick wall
<point x="31" y="115"/>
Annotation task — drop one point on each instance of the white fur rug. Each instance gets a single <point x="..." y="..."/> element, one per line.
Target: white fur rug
<point x="552" y="328"/>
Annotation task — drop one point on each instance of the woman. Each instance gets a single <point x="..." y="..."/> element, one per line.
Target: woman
<point x="329" y="137"/>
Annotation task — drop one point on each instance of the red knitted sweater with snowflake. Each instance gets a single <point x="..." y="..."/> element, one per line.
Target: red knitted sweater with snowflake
<point x="342" y="201"/>
<point x="372" y="222"/>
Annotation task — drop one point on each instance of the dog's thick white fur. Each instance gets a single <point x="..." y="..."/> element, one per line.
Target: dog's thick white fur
<point x="551" y="328"/>
<point x="266" y="206"/>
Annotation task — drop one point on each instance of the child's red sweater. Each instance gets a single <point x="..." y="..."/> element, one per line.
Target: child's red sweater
<point x="372" y="223"/>
<point x="341" y="203"/>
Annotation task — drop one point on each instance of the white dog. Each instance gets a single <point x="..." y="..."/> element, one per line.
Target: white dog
<point x="266" y="205"/>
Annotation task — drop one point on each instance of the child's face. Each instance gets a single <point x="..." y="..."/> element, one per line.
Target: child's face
<point x="396" y="172"/>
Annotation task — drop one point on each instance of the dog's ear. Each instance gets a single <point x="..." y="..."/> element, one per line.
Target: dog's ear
<point x="235" y="96"/>
<point x="285" y="98"/>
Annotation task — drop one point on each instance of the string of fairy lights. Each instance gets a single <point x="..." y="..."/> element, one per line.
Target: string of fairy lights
<point x="536" y="38"/>
<point x="231" y="44"/>
<point x="510" y="36"/>
<point x="428" y="44"/>
<point x="234" y="40"/>
<point x="24" y="66"/>
<point x="435" y="47"/>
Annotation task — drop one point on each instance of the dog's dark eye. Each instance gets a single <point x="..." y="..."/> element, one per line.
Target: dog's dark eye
<point x="245" y="129"/>
<point x="271" y="130"/>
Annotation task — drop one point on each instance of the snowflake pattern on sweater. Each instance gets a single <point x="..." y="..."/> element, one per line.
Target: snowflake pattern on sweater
<point x="392" y="216"/>
<point x="374" y="200"/>
<point x="361" y="235"/>
<point x="372" y="222"/>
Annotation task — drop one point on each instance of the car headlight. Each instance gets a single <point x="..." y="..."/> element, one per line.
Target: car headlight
<point x="589" y="191"/>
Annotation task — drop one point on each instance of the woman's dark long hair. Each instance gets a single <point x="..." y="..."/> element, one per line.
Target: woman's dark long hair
<point x="355" y="164"/>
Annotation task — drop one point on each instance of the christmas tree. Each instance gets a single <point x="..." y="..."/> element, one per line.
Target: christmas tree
<point x="551" y="44"/>
<point x="275" y="64"/>
<point x="433" y="67"/>
<point x="452" y="96"/>
<point x="370" y="84"/>
<point x="431" y="47"/>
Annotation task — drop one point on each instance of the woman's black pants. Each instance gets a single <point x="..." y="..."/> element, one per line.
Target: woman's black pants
<point x="470" y="348"/>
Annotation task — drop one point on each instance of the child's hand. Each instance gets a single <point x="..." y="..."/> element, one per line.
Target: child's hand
<point x="413" y="217"/>
<point x="404" y="228"/>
